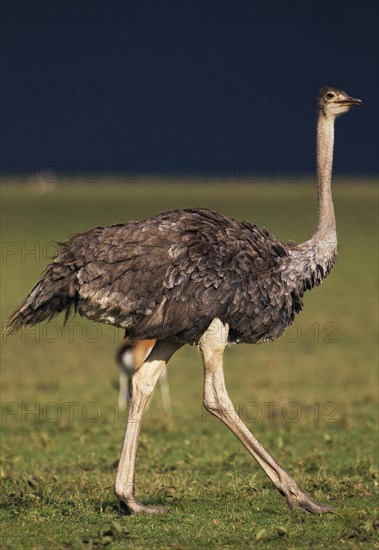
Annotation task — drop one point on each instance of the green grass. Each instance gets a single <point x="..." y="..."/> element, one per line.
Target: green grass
<point x="58" y="464"/>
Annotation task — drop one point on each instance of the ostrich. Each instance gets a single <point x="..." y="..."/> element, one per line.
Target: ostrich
<point x="131" y="356"/>
<point x="194" y="276"/>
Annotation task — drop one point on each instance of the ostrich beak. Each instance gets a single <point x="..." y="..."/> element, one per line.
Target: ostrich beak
<point x="350" y="101"/>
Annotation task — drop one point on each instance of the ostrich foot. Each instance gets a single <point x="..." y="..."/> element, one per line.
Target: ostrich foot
<point x="133" y="507"/>
<point x="297" y="500"/>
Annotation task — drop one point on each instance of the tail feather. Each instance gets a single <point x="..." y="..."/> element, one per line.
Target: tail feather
<point x="56" y="291"/>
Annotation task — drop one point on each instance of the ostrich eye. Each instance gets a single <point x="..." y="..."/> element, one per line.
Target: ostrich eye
<point x="329" y="95"/>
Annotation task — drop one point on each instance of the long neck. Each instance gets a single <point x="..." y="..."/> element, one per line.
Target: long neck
<point x="325" y="141"/>
<point x="311" y="261"/>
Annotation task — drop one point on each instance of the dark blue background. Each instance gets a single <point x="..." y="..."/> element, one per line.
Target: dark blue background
<point x="171" y="87"/>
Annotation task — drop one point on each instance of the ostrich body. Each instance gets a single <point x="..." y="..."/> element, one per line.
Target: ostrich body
<point x="194" y="276"/>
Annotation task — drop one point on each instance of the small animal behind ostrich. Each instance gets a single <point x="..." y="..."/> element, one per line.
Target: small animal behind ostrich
<point x="194" y="276"/>
<point x="129" y="358"/>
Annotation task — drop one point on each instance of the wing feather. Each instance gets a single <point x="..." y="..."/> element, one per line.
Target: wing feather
<point x="170" y="275"/>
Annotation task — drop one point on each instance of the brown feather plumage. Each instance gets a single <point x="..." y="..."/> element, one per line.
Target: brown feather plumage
<point x="170" y="275"/>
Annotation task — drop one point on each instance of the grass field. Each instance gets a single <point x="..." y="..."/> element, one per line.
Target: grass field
<point x="310" y="397"/>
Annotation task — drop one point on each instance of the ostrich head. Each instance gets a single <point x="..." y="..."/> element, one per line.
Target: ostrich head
<point x="335" y="102"/>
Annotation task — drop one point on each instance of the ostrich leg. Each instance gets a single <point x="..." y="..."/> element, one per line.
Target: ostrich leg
<point x="165" y="391"/>
<point x="142" y="386"/>
<point x="217" y="401"/>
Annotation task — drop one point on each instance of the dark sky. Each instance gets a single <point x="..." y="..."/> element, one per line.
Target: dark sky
<point x="184" y="87"/>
